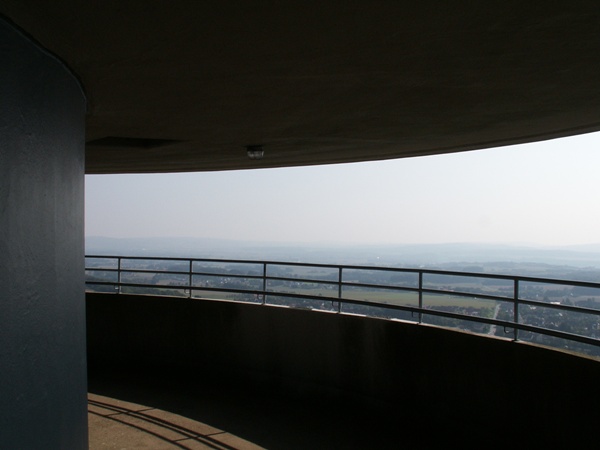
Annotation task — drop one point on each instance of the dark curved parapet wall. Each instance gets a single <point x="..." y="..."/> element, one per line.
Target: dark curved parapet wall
<point x="447" y="380"/>
<point x="42" y="310"/>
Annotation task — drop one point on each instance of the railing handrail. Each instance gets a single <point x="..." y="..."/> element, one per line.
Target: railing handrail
<point x="337" y="280"/>
<point x="507" y="277"/>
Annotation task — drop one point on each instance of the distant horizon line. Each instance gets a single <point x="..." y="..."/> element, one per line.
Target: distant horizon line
<point x="356" y="244"/>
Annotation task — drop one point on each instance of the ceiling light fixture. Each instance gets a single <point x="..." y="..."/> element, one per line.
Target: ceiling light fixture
<point x="255" y="151"/>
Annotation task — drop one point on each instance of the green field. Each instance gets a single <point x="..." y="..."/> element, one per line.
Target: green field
<point x="397" y="298"/>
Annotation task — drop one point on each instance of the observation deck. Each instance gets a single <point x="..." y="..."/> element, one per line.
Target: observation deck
<point x="292" y="355"/>
<point x="180" y="86"/>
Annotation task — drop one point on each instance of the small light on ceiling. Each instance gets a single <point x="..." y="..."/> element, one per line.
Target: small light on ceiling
<point x="255" y="151"/>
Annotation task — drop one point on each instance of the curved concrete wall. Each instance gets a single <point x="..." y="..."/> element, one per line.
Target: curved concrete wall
<point x="447" y="380"/>
<point x="42" y="316"/>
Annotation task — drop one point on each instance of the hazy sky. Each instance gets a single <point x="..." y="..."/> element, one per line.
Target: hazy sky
<point x="542" y="193"/>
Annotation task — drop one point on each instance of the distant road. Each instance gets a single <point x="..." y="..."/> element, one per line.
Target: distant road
<point x="492" y="331"/>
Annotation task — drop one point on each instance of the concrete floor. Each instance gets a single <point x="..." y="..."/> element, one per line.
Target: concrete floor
<point x="118" y="424"/>
<point x="133" y="412"/>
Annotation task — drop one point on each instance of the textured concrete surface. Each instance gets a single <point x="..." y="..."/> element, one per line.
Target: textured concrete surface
<point x="141" y="409"/>
<point x="118" y="424"/>
<point x="42" y="323"/>
<point x="191" y="83"/>
<point x="135" y="410"/>
<point x="288" y="378"/>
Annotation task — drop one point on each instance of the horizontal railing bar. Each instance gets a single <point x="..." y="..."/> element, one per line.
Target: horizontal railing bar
<point x="467" y="294"/>
<point x="339" y="298"/>
<point x="215" y="260"/>
<point x="482" y="296"/>
<point x="425" y="311"/>
<point x="379" y="286"/>
<point x="140" y="285"/>
<point x="228" y="275"/>
<point x="177" y="272"/>
<point x="301" y="280"/>
<point x="217" y="289"/>
<point x="577" y="309"/>
<point x="311" y="297"/>
<point x="155" y="271"/>
<point x="140" y="258"/>
<point x="557" y="334"/>
<point x="510" y="277"/>
<point x="431" y="291"/>
<point x="519" y="326"/>
<point x="365" y="268"/>
<point x="314" y="281"/>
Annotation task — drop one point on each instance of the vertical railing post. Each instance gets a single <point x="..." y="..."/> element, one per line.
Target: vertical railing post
<point x="340" y="278"/>
<point x="264" y="283"/>
<point x="516" y="308"/>
<point x="420" y="296"/>
<point x="119" y="275"/>
<point x="190" y="279"/>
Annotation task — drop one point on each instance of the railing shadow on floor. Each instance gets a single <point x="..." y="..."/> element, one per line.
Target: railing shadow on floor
<point x="118" y="423"/>
<point x="182" y="413"/>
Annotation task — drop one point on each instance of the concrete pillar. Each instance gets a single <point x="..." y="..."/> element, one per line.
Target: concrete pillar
<point x="42" y="314"/>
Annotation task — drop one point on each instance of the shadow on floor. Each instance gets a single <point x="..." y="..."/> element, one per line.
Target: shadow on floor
<point x="117" y="424"/>
<point x="184" y="412"/>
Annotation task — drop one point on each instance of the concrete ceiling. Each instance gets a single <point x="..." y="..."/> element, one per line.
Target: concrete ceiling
<point x="185" y="85"/>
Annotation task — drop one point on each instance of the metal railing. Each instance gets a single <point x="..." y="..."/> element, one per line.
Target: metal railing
<point x="557" y="313"/>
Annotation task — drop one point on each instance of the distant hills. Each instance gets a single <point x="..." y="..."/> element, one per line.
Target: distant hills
<point x="410" y="255"/>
